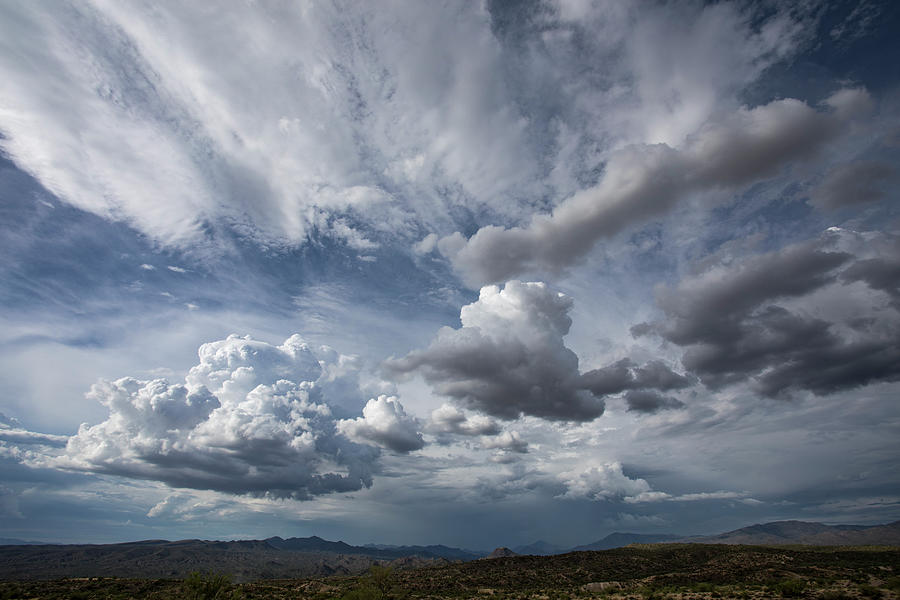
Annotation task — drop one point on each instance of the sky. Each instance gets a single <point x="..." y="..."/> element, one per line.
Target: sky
<point x="468" y="273"/>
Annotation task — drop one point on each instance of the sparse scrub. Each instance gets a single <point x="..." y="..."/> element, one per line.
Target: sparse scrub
<point x="362" y="592"/>
<point x="790" y="588"/>
<point x="378" y="584"/>
<point x="209" y="586"/>
<point x="870" y="591"/>
<point x="664" y="573"/>
<point x="834" y="595"/>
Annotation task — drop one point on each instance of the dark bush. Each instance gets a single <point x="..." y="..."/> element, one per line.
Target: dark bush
<point x="834" y="595"/>
<point x="791" y="588"/>
<point x="869" y="591"/>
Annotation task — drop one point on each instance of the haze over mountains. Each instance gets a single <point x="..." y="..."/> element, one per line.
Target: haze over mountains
<point x="277" y="557"/>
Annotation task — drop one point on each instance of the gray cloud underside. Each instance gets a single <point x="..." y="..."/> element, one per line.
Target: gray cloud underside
<point x="649" y="401"/>
<point x="645" y="181"/>
<point x="626" y="375"/>
<point x="509" y="359"/>
<point x="853" y="183"/>
<point x="744" y="322"/>
<point x="449" y="419"/>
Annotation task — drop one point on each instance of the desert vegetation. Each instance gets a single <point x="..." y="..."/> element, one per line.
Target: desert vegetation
<point x="660" y="572"/>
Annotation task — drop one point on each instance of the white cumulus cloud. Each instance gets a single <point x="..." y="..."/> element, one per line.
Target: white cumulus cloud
<point x="249" y="418"/>
<point x="386" y="423"/>
<point x="602" y="481"/>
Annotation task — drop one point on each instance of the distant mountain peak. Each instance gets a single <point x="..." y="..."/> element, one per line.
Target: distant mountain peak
<point x="618" y="539"/>
<point x="539" y="548"/>
<point x="502" y="552"/>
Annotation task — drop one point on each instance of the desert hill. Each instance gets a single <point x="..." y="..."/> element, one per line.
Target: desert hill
<point x="814" y="534"/>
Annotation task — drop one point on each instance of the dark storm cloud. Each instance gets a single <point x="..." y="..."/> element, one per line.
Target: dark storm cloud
<point x="879" y="274"/>
<point x="645" y="181"/>
<point x="647" y="401"/>
<point x="744" y="322"/>
<point x="509" y="359"/>
<point x="713" y="305"/>
<point x="853" y="183"/>
<point x="626" y="375"/>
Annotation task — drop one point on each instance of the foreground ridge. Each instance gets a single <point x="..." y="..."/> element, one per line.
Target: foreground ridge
<point x="662" y="571"/>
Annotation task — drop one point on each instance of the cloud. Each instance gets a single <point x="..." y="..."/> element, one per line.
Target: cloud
<point x="386" y="423"/>
<point x="602" y="481"/>
<point x="642" y="182"/>
<point x="508" y="358"/>
<point x="691" y="497"/>
<point x="172" y="506"/>
<point x="509" y="441"/>
<point x="853" y="183"/>
<point x="339" y="114"/>
<point x="12" y="432"/>
<point x="339" y="125"/>
<point x="249" y="419"/>
<point x="426" y="245"/>
<point x="450" y="419"/>
<point x="232" y="367"/>
<point x="820" y="316"/>
<point x="646" y="401"/>
<point x="626" y="375"/>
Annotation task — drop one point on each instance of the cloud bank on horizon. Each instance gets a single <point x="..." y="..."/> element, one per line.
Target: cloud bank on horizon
<point x="454" y="271"/>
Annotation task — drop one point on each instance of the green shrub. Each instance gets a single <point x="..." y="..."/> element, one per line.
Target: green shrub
<point x="790" y="588"/>
<point x="893" y="584"/>
<point x="378" y="584"/>
<point x="209" y="586"/>
<point x="364" y="592"/>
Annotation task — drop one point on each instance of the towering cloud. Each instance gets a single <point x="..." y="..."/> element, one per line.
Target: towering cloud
<point x="249" y="419"/>
<point x="509" y="359"/>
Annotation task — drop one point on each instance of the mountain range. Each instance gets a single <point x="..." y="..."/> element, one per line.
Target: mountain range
<point x="813" y="534"/>
<point x="278" y="557"/>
